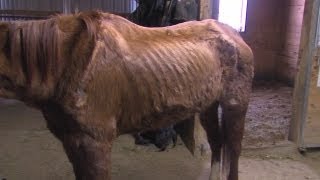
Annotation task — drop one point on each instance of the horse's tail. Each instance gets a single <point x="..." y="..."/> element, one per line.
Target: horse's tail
<point x="237" y="61"/>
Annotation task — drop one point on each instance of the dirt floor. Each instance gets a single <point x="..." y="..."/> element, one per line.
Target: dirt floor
<point x="29" y="151"/>
<point x="269" y="114"/>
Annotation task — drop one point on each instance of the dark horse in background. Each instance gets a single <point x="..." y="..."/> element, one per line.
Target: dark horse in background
<point x="159" y="13"/>
<point x="95" y="76"/>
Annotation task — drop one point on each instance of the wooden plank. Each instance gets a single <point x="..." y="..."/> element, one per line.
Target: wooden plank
<point x="312" y="125"/>
<point x="312" y="146"/>
<point x="205" y="9"/>
<point x="302" y="83"/>
<point x="28" y="13"/>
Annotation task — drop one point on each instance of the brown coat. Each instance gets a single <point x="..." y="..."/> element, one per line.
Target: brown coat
<point x="97" y="75"/>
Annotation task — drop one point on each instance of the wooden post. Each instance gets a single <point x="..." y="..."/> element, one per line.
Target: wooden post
<point x="302" y="83"/>
<point x="205" y="9"/>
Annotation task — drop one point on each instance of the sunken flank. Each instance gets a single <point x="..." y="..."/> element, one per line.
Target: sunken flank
<point x="96" y="75"/>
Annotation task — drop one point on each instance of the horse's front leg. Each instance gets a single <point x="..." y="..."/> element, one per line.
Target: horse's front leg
<point x="91" y="158"/>
<point x="88" y="149"/>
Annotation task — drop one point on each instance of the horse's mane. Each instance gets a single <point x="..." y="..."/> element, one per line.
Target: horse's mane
<point x="35" y="47"/>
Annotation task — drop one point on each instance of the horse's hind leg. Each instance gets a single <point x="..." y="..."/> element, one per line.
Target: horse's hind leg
<point x="233" y="116"/>
<point x="210" y="122"/>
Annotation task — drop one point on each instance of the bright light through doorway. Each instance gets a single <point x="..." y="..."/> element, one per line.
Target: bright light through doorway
<point x="233" y="13"/>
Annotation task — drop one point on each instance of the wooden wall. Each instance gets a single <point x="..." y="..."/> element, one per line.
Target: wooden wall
<point x="273" y="32"/>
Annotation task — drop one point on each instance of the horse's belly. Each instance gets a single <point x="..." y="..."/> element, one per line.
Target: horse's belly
<point x="184" y="103"/>
<point x="166" y="117"/>
<point x="160" y="102"/>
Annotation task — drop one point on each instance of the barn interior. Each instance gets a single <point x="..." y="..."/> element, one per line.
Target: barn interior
<point x="282" y="119"/>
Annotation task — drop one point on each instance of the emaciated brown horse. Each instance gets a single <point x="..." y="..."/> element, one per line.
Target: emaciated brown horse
<point x="96" y="76"/>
